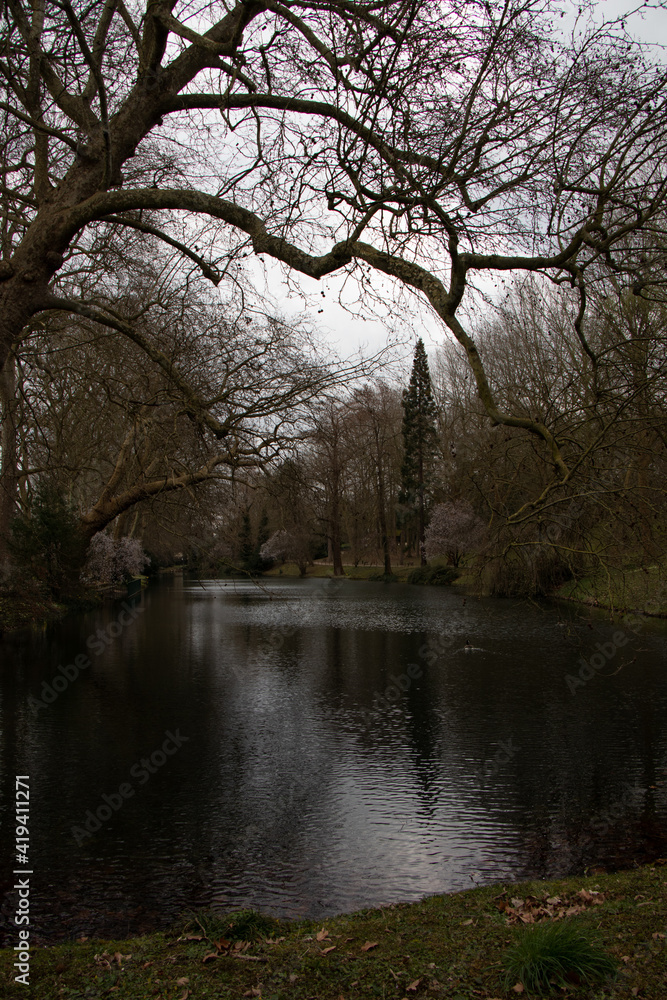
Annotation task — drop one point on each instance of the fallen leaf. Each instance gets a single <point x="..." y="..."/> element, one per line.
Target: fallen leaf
<point x="146" y="965"/>
<point x="185" y="994"/>
<point x="209" y="958"/>
<point x="369" y="945"/>
<point x="293" y="977"/>
<point x="325" y="951"/>
<point x="518" y="988"/>
<point x="634" y="991"/>
<point x="553" y="900"/>
<point x="222" y="944"/>
<point x="467" y="923"/>
<point x="322" y="935"/>
<point x="657" y="934"/>
<point x="183" y="981"/>
<point x="413" y="986"/>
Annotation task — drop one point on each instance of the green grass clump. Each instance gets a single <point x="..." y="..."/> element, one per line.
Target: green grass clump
<point x="550" y="954"/>
<point x="241" y="925"/>
<point x="433" y="575"/>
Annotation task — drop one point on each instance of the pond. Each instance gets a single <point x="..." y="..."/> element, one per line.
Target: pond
<point x="307" y="747"/>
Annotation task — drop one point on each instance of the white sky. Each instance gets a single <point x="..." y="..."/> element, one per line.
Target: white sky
<point x="346" y="333"/>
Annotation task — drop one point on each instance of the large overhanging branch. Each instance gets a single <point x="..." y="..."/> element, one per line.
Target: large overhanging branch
<point x="108" y="508"/>
<point x="194" y="406"/>
<point x="142" y="227"/>
<point x="392" y="155"/>
<point x="445" y="303"/>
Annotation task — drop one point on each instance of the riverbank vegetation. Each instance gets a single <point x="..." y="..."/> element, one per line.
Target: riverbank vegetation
<point x="458" y="947"/>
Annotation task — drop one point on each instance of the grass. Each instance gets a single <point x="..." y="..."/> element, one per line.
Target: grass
<point x="371" y="573"/>
<point x="432" y="574"/>
<point x="639" y="588"/>
<point x="436" y="575"/>
<point x="552" y="954"/>
<point x="453" y="947"/>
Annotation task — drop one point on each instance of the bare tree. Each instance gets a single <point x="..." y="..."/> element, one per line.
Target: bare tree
<point x="193" y="398"/>
<point x="377" y="411"/>
<point x="431" y="143"/>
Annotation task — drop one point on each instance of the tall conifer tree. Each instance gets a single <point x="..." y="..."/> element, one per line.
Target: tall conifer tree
<point x="420" y="442"/>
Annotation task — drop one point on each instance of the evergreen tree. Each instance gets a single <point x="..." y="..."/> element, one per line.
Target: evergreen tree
<point x="420" y="443"/>
<point x="45" y="540"/>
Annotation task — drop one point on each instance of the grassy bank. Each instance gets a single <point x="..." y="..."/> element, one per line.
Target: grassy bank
<point x="375" y="574"/>
<point x="639" y="589"/>
<point x="320" y="570"/>
<point x="446" y="946"/>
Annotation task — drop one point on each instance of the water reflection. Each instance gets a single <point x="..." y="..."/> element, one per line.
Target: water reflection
<point x="339" y="748"/>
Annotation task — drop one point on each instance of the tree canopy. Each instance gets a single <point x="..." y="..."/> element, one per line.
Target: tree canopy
<point x="434" y="143"/>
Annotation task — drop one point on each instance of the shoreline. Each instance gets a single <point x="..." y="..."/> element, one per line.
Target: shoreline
<point x="18" y="613"/>
<point x="451" y="946"/>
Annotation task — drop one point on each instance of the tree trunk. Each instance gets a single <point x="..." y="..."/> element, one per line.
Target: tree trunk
<point x="9" y="480"/>
<point x="422" y="527"/>
<point x="334" y="531"/>
<point x="382" y="516"/>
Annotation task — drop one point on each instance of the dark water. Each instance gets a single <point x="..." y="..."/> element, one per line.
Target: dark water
<point x="334" y="746"/>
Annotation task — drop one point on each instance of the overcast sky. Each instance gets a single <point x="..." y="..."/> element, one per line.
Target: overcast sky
<point x="348" y="333"/>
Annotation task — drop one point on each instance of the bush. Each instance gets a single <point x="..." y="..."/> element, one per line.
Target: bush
<point x="533" y="571"/>
<point x="46" y="540"/>
<point x="438" y="576"/>
<point x="453" y="530"/>
<point x="112" y="560"/>
<point x="550" y="955"/>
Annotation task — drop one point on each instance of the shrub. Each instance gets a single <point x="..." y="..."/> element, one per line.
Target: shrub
<point x="114" y="560"/>
<point x="453" y="530"/>
<point x="550" y="955"/>
<point x="438" y="576"/>
<point x="45" y="539"/>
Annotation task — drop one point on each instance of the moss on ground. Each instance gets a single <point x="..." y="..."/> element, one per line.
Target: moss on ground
<point x="445" y="946"/>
